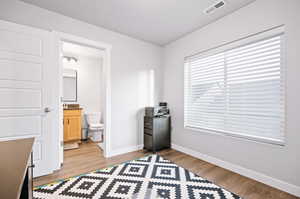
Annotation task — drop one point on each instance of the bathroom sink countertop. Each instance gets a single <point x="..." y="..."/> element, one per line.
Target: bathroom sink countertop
<point x="72" y="108"/>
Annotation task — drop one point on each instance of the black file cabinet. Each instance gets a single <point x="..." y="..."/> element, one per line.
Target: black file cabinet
<point x="157" y="133"/>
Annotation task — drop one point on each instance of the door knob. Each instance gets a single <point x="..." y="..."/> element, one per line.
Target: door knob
<point x="47" y="110"/>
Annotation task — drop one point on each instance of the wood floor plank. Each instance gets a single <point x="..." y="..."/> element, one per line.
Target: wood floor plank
<point x="89" y="157"/>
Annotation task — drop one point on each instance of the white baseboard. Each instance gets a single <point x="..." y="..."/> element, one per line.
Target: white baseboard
<point x="125" y="150"/>
<point x="279" y="184"/>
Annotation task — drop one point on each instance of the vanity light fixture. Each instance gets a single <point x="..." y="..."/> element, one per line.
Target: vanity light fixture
<point x="70" y="59"/>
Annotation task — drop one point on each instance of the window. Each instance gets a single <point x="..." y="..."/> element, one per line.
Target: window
<point x="239" y="91"/>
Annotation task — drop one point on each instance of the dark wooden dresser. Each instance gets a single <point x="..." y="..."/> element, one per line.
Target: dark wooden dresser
<point x="16" y="169"/>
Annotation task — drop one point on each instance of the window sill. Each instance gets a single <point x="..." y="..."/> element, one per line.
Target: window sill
<point x="235" y="135"/>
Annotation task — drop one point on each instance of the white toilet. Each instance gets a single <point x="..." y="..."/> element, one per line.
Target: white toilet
<point x="95" y="127"/>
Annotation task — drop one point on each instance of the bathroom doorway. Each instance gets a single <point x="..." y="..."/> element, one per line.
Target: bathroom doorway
<point x="82" y="91"/>
<point x="84" y="95"/>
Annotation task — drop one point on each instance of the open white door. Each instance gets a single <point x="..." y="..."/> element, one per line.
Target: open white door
<point x="25" y="90"/>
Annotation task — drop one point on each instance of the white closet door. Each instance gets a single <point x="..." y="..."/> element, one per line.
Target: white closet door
<point x="25" y="95"/>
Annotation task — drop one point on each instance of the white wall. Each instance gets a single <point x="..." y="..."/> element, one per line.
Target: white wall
<point x="129" y="57"/>
<point x="280" y="163"/>
<point x="89" y="77"/>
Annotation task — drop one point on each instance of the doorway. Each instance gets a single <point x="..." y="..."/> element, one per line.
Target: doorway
<point x="87" y="90"/>
<point x="82" y="91"/>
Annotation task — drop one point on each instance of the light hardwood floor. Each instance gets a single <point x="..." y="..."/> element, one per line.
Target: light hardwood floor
<point x="89" y="158"/>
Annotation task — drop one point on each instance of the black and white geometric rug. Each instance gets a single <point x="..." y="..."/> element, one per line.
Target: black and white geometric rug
<point x="148" y="177"/>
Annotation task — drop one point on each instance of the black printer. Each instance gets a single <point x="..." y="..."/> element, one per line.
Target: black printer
<point x="157" y="111"/>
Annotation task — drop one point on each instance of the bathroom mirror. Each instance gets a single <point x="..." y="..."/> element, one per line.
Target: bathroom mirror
<point x="69" y="85"/>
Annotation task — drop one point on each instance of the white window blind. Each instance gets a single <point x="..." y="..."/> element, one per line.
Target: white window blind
<point x="238" y="91"/>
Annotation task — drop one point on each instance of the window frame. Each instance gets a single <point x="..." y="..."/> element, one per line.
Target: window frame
<point x="263" y="35"/>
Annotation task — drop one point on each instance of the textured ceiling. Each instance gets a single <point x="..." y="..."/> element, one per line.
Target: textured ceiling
<point x="155" y="21"/>
<point x="78" y="50"/>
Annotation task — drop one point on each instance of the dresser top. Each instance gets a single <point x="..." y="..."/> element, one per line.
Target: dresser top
<point x="14" y="157"/>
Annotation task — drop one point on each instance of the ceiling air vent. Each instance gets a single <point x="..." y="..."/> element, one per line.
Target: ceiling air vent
<point x="212" y="8"/>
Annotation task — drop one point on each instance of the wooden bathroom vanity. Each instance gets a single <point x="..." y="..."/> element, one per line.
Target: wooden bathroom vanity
<point x="72" y="125"/>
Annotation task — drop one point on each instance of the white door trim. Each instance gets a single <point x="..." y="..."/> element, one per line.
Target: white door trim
<point x="58" y="38"/>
